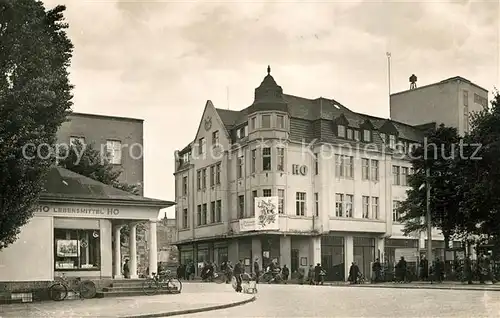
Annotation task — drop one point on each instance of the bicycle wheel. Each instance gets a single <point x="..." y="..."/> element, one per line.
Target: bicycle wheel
<point x="220" y="278"/>
<point x="150" y="286"/>
<point x="58" y="292"/>
<point x="174" y="285"/>
<point x="87" y="289"/>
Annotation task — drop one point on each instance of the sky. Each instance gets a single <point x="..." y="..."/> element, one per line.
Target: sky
<point x="162" y="60"/>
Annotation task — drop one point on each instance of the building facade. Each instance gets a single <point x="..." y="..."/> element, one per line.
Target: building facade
<point x="450" y="102"/>
<point x="338" y="176"/>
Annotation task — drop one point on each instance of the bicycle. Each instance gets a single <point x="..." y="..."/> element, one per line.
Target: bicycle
<point x="85" y="289"/>
<point x="160" y="281"/>
<point x="220" y="277"/>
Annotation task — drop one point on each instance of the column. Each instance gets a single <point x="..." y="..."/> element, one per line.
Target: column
<point x="315" y="250"/>
<point x="118" y="253"/>
<point x="348" y="254"/>
<point x="132" y="242"/>
<point x="285" y="251"/>
<point x="257" y="251"/>
<point x="153" y="248"/>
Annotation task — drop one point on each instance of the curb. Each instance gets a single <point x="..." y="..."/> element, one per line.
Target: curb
<point x="422" y="287"/>
<point x="195" y="310"/>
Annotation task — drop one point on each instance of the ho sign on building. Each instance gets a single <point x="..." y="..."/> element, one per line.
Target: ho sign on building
<point x="265" y="218"/>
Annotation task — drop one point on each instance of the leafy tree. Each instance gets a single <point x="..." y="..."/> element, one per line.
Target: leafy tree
<point x="35" y="99"/>
<point x="90" y="162"/>
<point x="438" y="154"/>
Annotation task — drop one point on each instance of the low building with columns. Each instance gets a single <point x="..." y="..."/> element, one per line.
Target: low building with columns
<point x="338" y="176"/>
<point x="76" y="231"/>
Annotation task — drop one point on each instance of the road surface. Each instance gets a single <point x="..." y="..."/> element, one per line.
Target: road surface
<point x="348" y="301"/>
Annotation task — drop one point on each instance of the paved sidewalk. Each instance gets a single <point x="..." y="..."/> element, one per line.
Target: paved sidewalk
<point x="428" y="285"/>
<point x="194" y="300"/>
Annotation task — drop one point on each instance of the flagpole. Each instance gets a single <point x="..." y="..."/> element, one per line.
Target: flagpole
<point x="388" y="54"/>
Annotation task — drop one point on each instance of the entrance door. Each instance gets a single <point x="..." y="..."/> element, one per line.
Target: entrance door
<point x="332" y="257"/>
<point x="295" y="261"/>
<point x="364" y="254"/>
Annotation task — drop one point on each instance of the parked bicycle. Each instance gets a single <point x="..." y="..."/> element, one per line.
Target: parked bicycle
<point x="162" y="281"/>
<point x="85" y="289"/>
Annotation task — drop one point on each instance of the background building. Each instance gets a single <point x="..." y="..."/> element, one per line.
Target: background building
<point x="338" y="176"/>
<point x="450" y="101"/>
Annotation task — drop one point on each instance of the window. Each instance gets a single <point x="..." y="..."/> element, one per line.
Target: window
<point x="349" y="166"/>
<point x="383" y="137"/>
<point x="198" y="179"/>
<point x="185" y="219"/>
<point x="365" y="166"/>
<point x="349" y="198"/>
<point x="316" y="164"/>
<point x="239" y="168"/>
<point x="204" y="214"/>
<point x="241" y="206"/>
<point x="266" y="159"/>
<point x="367" y="136"/>
<point x="204" y="178"/>
<point x="74" y="141"/>
<point x="114" y="150"/>
<point x="201" y="146"/>
<point x="466" y="119"/>
<point x="266" y="193"/>
<point x="253" y="161"/>
<point x="242" y="132"/>
<point x="466" y="98"/>
<point x="212" y="175"/>
<point x="374" y="168"/>
<point x="215" y="137"/>
<point x="281" y="159"/>
<point x="395" y="213"/>
<point x="300" y="203"/>
<point x="198" y="215"/>
<point x="404" y="174"/>
<point x="339" y="166"/>
<point x="392" y="141"/>
<point x="218" y="211"/>
<point x="341" y="131"/>
<point x="350" y="134"/>
<point x="395" y="175"/>
<point x="253" y="123"/>
<point x="186" y="157"/>
<point x="316" y="204"/>
<point x="375" y="208"/>
<point x="281" y="201"/>
<point x="266" y="121"/>
<point x="77" y="249"/>
<point x="184" y="185"/>
<point x="366" y="207"/>
<point x="217" y="173"/>
<point x="254" y="196"/>
<point x="356" y="135"/>
<point x="339" y="201"/>
<point x="280" y="122"/>
<point x="212" y="211"/>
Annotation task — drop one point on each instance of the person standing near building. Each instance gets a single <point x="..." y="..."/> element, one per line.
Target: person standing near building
<point x="468" y="270"/>
<point x="126" y="269"/>
<point x="256" y="269"/>
<point x="401" y="270"/>
<point x="238" y="270"/>
<point x="286" y="273"/>
<point x="424" y="268"/>
<point x="377" y="269"/>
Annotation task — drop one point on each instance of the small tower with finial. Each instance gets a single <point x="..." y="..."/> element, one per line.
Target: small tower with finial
<point x="268" y="70"/>
<point x="413" y="81"/>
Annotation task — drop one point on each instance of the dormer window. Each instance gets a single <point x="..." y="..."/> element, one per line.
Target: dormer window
<point x="280" y="121"/>
<point x="341" y="131"/>
<point x="253" y="123"/>
<point x="356" y="135"/>
<point x="350" y="134"/>
<point x="266" y="121"/>
<point x="367" y="136"/>
<point x="242" y="132"/>
<point x="185" y="157"/>
<point x="383" y="137"/>
<point x="392" y="141"/>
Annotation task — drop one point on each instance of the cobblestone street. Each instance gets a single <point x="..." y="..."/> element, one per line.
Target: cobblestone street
<point x="327" y="301"/>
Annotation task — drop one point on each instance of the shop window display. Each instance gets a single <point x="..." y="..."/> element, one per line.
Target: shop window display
<point x="77" y="249"/>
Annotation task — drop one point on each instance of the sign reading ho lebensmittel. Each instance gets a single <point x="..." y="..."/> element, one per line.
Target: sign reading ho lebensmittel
<point x="266" y="213"/>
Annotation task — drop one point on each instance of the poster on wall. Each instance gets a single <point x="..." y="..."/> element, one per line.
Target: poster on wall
<point x="67" y="248"/>
<point x="247" y="225"/>
<point x="266" y="213"/>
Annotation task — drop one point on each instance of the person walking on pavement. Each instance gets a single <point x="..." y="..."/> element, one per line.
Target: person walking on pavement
<point x="353" y="273"/>
<point x="424" y="268"/>
<point x="238" y="270"/>
<point x="377" y="269"/>
<point x="401" y="270"/>
<point x="256" y="270"/>
<point x="310" y="275"/>
<point x="285" y="272"/>
<point x="468" y="270"/>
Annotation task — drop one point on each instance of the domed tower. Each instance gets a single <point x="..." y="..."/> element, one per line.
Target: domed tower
<point x="268" y="115"/>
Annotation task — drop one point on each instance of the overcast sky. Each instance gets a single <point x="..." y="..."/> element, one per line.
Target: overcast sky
<point x="161" y="60"/>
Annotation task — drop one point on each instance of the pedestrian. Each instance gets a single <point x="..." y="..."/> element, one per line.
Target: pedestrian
<point x="401" y="267"/>
<point x="424" y="268"/>
<point x="256" y="269"/>
<point x="285" y="271"/>
<point x="353" y="273"/>
<point x="468" y="270"/>
<point x="310" y="275"/>
<point x="377" y="269"/>
<point x="438" y="270"/>
<point x="238" y="270"/>
<point x="126" y="269"/>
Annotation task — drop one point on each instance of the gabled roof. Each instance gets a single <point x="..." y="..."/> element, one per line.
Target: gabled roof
<point x="65" y="185"/>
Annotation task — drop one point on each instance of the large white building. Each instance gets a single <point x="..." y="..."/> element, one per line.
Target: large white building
<point x="338" y="174"/>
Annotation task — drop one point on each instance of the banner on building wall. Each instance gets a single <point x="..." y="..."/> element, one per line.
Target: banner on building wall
<point x="247" y="225"/>
<point x="410" y="254"/>
<point x="266" y="213"/>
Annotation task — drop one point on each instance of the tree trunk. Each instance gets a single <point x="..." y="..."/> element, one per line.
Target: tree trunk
<point x="446" y="243"/>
